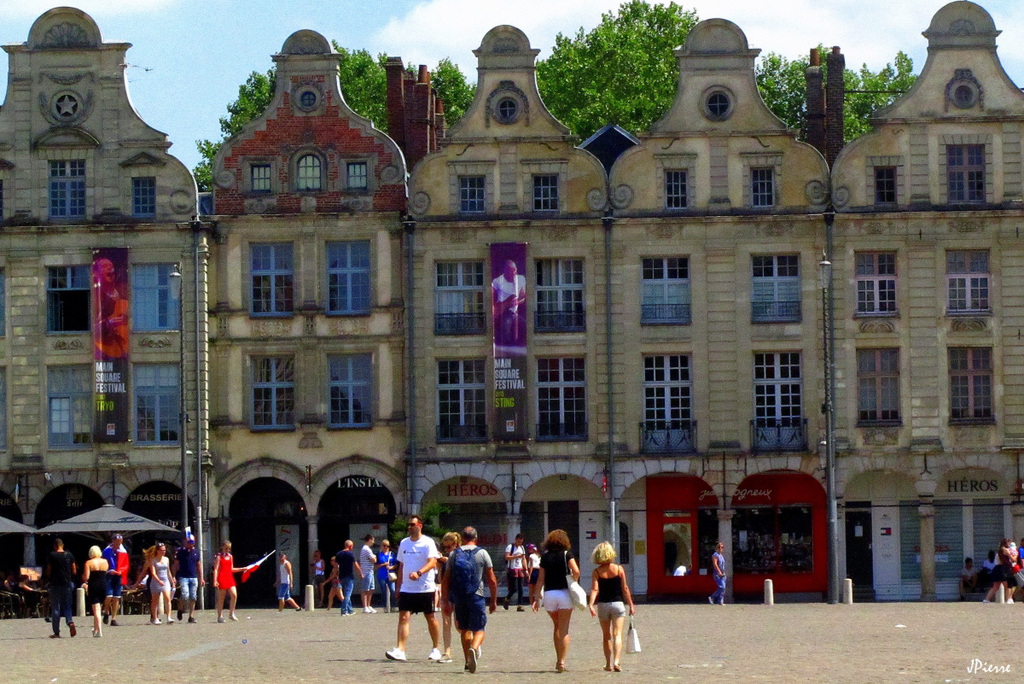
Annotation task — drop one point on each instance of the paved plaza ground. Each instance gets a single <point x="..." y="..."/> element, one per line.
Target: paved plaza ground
<point x="863" y="643"/>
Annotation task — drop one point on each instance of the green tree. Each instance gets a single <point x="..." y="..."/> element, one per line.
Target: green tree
<point x="624" y="71"/>
<point x="455" y="92"/>
<point x="364" y="83"/>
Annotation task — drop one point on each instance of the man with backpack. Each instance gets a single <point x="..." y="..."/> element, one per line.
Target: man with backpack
<point x="463" y="585"/>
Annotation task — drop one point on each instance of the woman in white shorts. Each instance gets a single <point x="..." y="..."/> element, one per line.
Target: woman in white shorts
<point x="609" y="595"/>
<point x="160" y="585"/>
<point x="555" y="564"/>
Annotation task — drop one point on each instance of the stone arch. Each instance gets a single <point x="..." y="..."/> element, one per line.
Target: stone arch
<point x="64" y="28"/>
<point x="716" y="36"/>
<point x="356" y="465"/>
<point x="237" y="477"/>
<point x="489" y="471"/>
<point x="306" y="42"/>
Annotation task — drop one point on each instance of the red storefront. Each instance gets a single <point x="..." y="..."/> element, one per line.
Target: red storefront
<point x="779" y="533"/>
<point x="682" y="528"/>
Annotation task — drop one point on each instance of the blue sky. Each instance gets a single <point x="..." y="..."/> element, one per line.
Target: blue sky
<point x="189" y="56"/>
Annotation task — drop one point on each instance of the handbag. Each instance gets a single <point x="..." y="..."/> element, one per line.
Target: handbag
<point x="579" y="597"/>
<point x="632" y="639"/>
<point x="392" y="577"/>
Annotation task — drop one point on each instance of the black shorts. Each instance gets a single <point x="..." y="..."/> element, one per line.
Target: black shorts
<point x="416" y="603"/>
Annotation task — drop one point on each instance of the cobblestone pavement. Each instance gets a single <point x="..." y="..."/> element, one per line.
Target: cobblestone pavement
<point x="864" y="643"/>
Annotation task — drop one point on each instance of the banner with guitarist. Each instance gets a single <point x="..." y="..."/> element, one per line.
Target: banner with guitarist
<point x="111" y="337"/>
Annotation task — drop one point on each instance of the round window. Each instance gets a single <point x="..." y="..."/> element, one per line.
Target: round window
<point x="507" y="110"/>
<point x="963" y="95"/>
<point x="307" y="99"/>
<point x="718" y="105"/>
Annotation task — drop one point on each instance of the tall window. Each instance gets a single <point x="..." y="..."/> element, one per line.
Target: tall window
<point x="878" y="385"/>
<point x="885" y="185"/>
<point x="666" y="291"/>
<point x="560" y="296"/>
<point x="67" y="188"/>
<point x="259" y="178"/>
<point x="69" y="394"/>
<point x="471" y="194"/>
<point x="561" y="399"/>
<point x="965" y="173"/>
<point x="273" y="392"/>
<point x="876" y="282"/>
<point x="545" y="192"/>
<point x="775" y="289"/>
<point x="350" y="390"/>
<point x="157" y="403"/>
<point x="67" y="299"/>
<point x="778" y="416"/>
<point x="307" y="173"/>
<point x="356" y="177"/>
<point x="461" y="407"/>
<point x="675" y="189"/>
<point x="459" y="298"/>
<point x="144" y="196"/>
<point x="668" y="404"/>
<point x="272" y="279"/>
<point x="970" y="384"/>
<point x="155" y="306"/>
<point x="348" y="277"/>
<point x="762" y="187"/>
<point x="967" y="281"/>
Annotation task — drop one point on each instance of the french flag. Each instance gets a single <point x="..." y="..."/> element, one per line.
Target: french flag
<point x="251" y="568"/>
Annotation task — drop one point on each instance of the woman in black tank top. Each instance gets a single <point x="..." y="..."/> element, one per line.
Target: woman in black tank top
<point x="609" y="597"/>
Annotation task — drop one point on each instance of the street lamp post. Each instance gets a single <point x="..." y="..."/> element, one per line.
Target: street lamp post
<point x="176" y="281"/>
<point x="829" y="409"/>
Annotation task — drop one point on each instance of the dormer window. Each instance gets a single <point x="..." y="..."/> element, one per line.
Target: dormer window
<point x="308" y="173"/>
<point x="356" y="176"/>
<point x="259" y="178"/>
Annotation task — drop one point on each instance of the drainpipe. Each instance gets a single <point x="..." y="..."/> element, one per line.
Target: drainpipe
<point x="409" y="226"/>
<point x="607" y="221"/>
<point x="197" y="227"/>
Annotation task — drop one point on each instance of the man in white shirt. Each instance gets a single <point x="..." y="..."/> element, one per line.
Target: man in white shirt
<point x="509" y="292"/>
<point x="416" y="561"/>
<point x="367" y="561"/>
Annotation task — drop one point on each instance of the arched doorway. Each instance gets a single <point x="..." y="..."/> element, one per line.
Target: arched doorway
<point x="570" y="503"/>
<point x="682" y="529"/>
<point x="159" y="501"/>
<point x="12" y="546"/>
<point x="61" y="503"/>
<point x="356" y="505"/>
<point x="267" y="514"/>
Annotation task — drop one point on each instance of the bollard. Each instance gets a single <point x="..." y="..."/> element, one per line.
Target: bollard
<point x="1000" y="594"/>
<point x="80" y="602"/>
<point x="769" y="593"/>
<point x="848" y="591"/>
<point x="310" y="596"/>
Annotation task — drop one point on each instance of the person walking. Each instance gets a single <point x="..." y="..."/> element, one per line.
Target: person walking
<point x="119" y="567"/>
<point x="61" y="568"/>
<point x="556" y="563"/>
<point x="515" y="571"/>
<point x="718" y="570"/>
<point x="416" y="560"/>
<point x="94" y="579"/>
<point x="449" y="542"/>
<point x="317" y="570"/>
<point x="284" y="583"/>
<point x="463" y="585"/>
<point x="161" y="584"/>
<point x="224" y="581"/>
<point x="385" y="570"/>
<point x="189" y="573"/>
<point x="367" y="561"/>
<point x="335" y="584"/>
<point x="609" y="596"/>
<point x="347" y="569"/>
<point x="533" y="567"/>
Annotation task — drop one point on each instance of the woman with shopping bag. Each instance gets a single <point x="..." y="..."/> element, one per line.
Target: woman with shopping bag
<point x="558" y="571"/>
<point x="609" y="596"/>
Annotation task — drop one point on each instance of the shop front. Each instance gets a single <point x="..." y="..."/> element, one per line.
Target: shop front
<point x="476" y="502"/>
<point x="159" y="501"/>
<point x="779" y="533"/>
<point x="61" y="503"/>
<point x="351" y="508"/>
<point x="682" y="528"/>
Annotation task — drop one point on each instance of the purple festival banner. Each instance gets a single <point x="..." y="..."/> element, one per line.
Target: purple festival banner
<point x="111" y="336"/>
<point x="508" y="321"/>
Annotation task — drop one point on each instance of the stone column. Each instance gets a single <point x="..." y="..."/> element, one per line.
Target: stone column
<point x="725" y="536"/>
<point x="1017" y="512"/>
<point x="313" y="535"/>
<point x="927" y="512"/>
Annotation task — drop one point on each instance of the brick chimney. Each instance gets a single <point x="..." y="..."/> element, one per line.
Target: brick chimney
<point x="815" y="103"/>
<point x="835" y="97"/>
<point x="415" y="114"/>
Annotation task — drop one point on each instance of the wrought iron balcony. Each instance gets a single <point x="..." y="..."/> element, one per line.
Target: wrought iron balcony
<point x="665" y="314"/>
<point x="470" y="432"/>
<point x="562" y="432"/>
<point x="560" y="320"/>
<point x="474" y="323"/>
<point x="778" y="434"/>
<point x="668" y="436"/>
<point x="775" y="312"/>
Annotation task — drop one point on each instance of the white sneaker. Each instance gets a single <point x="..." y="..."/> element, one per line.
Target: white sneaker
<point x="234" y="619"/>
<point x="170" y="620"/>
<point x="435" y="655"/>
<point x="471" y="658"/>
<point x="396" y="654"/>
<point x="371" y="610"/>
<point x="155" y="622"/>
<point x="1009" y="600"/>
<point x="220" y="619"/>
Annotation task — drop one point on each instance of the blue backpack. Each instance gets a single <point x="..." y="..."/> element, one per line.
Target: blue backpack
<point x="464" y="581"/>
